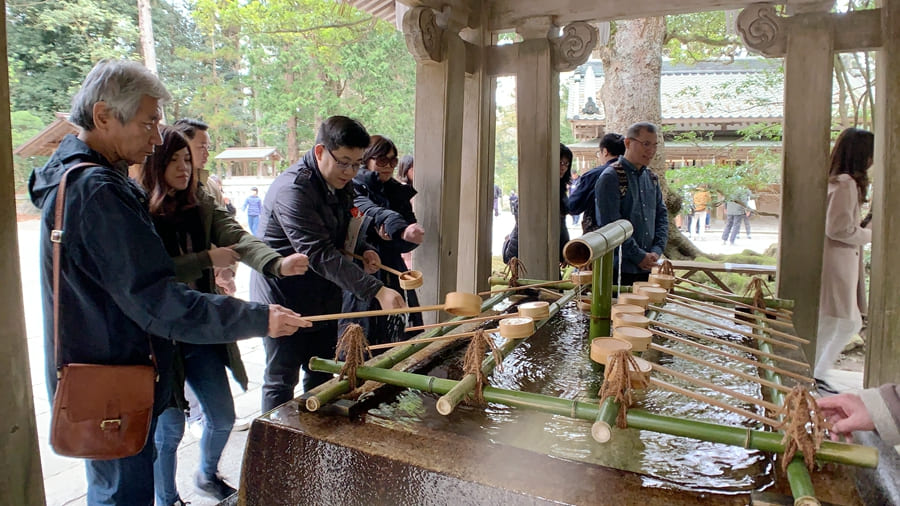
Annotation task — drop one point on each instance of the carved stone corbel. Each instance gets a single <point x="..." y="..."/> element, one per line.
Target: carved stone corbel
<point x="424" y="37"/>
<point x="574" y="47"/>
<point x="763" y="30"/>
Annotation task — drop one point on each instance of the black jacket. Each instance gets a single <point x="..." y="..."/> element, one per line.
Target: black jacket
<point x="118" y="282"/>
<point x="300" y="213"/>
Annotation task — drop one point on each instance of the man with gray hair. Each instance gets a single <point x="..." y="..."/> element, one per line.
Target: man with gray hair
<point x="116" y="281"/>
<point x="628" y="189"/>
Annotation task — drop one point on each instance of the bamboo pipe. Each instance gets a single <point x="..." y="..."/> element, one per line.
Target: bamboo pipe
<point x="745" y="349"/>
<point x="732" y="356"/>
<point x="726" y="313"/>
<point x="595" y="244"/>
<point x="563" y="284"/>
<point x="538" y="310"/>
<point x="842" y="453"/>
<point x="722" y="368"/>
<point x="790" y="337"/>
<point x="765" y="339"/>
<point x="728" y="300"/>
<point x="722" y="390"/>
<point x="461" y="335"/>
<point x="332" y="388"/>
<point x="715" y="402"/>
<point x="510" y="328"/>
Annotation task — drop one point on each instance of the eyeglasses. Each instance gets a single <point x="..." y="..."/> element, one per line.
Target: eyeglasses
<point x="383" y="161"/>
<point x="646" y="144"/>
<point x="342" y="165"/>
<point x="565" y="163"/>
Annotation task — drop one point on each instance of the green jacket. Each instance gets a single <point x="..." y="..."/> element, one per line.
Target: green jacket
<point x="221" y="229"/>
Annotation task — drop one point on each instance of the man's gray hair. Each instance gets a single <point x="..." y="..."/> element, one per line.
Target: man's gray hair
<point x="636" y="129"/>
<point x="121" y="84"/>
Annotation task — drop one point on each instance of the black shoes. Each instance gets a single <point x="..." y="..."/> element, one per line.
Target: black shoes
<point x="824" y="387"/>
<point x="213" y="486"/>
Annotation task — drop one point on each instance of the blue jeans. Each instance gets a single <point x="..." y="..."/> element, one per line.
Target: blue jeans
<point x="169" y="430"/>
<point x="204" y="370"/>
<point x="252" y="222"/>
<point x="127" y="481"/>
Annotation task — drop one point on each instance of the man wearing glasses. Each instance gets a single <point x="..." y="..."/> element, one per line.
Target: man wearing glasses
<point x="628" y="189"/>
<point x="308" y="210"/>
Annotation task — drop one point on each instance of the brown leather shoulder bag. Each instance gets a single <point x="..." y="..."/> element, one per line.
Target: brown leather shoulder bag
<point x="100" y="412"/>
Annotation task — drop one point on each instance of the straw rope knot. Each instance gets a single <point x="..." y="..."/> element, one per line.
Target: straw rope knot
<point x="353" y="346"/>
<point x="515" y="269"/>
<point x="757" y="289"/>
<point x="617" y="383"/>
<point x="472" y="362"/>
<point x="666" y="267"/>
<point x="803" y="425"/>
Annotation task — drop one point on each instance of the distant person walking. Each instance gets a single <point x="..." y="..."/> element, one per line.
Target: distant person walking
<point x="735" y="211"/>
<point x="253" y="206"/>
<point x="701" y="209"/>
<point x="498" y="194"/>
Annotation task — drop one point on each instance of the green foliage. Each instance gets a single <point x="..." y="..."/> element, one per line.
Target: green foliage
<point x="700" y="36"/>
<point x="25" y="125"/>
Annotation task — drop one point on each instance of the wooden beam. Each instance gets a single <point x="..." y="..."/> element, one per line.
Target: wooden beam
<point x="20" y="459"/>
<point x="807" y="122"/>
<point x="479" y="117"/>
<point x="501" y="60"/>
<point x="537" y="106"/>
<point x="883" y="345"/>
<point x="440" y="90"/>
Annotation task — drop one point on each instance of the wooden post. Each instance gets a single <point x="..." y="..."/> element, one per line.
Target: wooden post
<point x="479" y="118"/>
<point x="537" y="117"/>
<point x="20" y="459"/>
<point x="440" y="90"/>
<point x="883" y="345"/>
<point x="807" y="121"/>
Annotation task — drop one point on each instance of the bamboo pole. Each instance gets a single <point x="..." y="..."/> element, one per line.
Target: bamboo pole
<point x="726" y="312"/>
<point x="696" y="295"/>
<point x="681" y="301"/>
<point x="709" y="349"/>
<point x="331" y="389"/>
<point x="448" y="402"/>
<point x="715" y="402"/>
<point x="729" y="300"/>
<point x="708" y="287"/>
<point x="716" y="388"/>
<point x="842" y="453"/>
<point x="375" y="312"/>
<point x="601" y="296"/>
<point x="563" y="284"/>
<point x="450" y="337"/>
<point x="745" y="349"/>
<point x="763" y="338"/>
<point x="722" y="368"/>
<point x="462" y="322"/>
<point x="523" y="287"/>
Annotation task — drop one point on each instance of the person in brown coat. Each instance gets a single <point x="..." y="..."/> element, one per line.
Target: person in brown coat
<point x="839" y="304"/>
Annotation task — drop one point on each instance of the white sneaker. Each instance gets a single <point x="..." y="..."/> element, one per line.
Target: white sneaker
<point x="196" y="428"/>
<point x="242" y="424"/>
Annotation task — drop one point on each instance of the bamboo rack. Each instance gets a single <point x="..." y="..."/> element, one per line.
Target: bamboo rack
<point x="726" y="313"/>
<point x="681" y="301"/>
<point x="731" y="329"/>
<point x="728" y="299"/>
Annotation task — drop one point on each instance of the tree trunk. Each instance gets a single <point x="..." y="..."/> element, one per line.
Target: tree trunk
<point x="632" y="67"/>
<point x="145" y="25"/>
<point x="293" y="148"/>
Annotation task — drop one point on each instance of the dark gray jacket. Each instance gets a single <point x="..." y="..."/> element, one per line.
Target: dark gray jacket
<point x="300" y="213"/>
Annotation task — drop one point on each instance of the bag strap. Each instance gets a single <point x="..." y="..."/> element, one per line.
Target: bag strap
<point x="56" y="237"/>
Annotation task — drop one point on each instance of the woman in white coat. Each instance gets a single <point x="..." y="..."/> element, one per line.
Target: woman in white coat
<point x="839" y="312"/>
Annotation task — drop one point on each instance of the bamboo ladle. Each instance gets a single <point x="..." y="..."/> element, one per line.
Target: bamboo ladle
<point x="409" y="280"/>
<point x="719" y="310"/>
<point x="517" y="327"/>
<point x="681" y="301"/>
<point x="726" y="299"/>
<point x="539" y="310"/>
<point x="774" y="342"/>
<point x="455" y="303"/>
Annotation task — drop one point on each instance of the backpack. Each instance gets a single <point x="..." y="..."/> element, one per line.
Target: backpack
<point x="623" y="182"/>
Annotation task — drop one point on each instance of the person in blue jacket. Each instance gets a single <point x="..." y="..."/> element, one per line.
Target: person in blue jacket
<point x="117" y="291"/>
<point x="582" y="198"/>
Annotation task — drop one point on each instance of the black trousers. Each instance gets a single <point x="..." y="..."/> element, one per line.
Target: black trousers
<point x="629" y="278"/>
<point x="285" y="356"/>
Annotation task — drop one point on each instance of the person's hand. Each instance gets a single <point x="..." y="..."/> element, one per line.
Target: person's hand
<point x="225" y="280"/>
<point x="847" y="413"/>
<point x="222" y="257"/>
<point x="414" y="234"/>
<point x="284" y="322"/>
<point x="294" y="265"/>
<point x="389" y="299"/>
<point x="649" y="261"/>
<point x="371" y="261"/>
<point x="382" y="232"/>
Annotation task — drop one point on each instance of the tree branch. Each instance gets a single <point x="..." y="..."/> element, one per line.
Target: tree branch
<point x="685" y="38"/>
<point x="312" y="28"/>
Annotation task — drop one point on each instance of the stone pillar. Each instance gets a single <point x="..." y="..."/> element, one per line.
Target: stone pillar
<point x="808" y="50"/>
<point x="476" y="202"/>
<point x="440" y="86"/>
<point x="883" y="343"/>
<point x="20" y="459"/>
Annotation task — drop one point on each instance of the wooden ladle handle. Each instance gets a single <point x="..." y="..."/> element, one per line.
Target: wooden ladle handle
<point x="380" y="265"/>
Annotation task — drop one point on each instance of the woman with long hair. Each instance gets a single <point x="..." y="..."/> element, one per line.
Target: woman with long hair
<point x="199" y="235"/>
<point x="839" y="300"/>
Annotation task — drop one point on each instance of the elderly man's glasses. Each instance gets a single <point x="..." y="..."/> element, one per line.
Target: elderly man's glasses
<point x="342" y="165"/>
<point x="646" y="144"/>
<point x="383" y="161"/>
